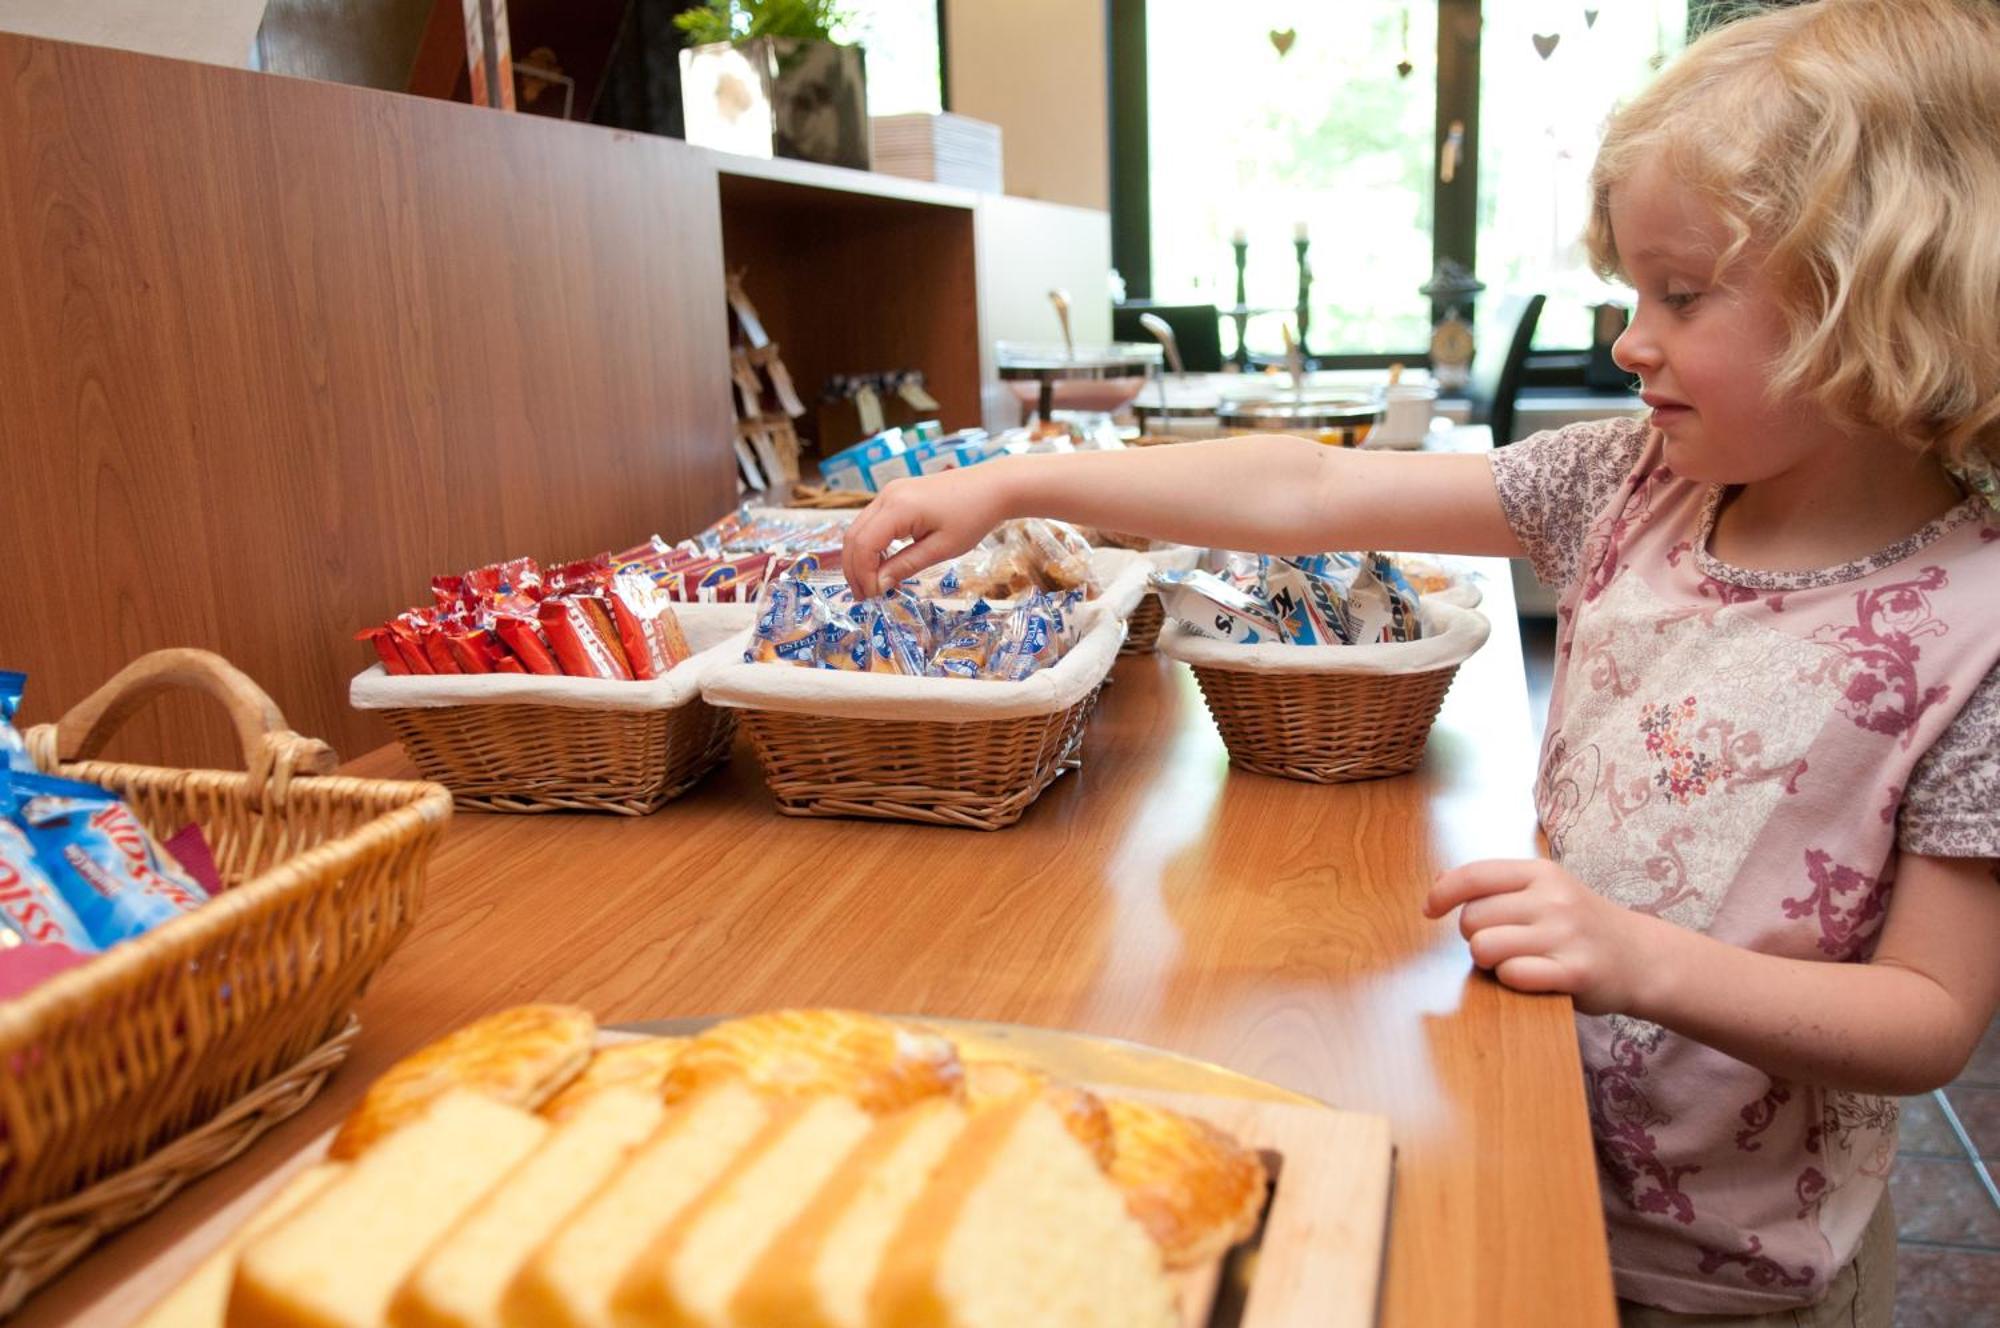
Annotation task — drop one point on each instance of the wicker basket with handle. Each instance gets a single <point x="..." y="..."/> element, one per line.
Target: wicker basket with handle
<point x="1329" y="714"/>
<point x="160" y="1059"/>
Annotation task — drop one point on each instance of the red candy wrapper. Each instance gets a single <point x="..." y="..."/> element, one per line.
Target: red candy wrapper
<point x="189" y="847"/>
<point x="521" y="632"/>
<point x="385" y="649"/>
<point x="583" y="575"/>
<point x="647" y="627"/>
<point x="580" y="633"/>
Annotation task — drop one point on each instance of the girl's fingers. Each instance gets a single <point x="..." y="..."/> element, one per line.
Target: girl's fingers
<point x="1475" y="880"/>
<point x="1496" y="945"/>
<point x="1515" y="906"/>
<point x="908" y="561"/>
<point x="1535" y="973"/>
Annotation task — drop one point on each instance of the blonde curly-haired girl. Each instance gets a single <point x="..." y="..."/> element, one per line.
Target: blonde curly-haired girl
<point x="1771" y="780"/>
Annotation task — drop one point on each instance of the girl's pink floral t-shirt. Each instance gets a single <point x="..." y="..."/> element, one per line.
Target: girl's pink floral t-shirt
<point x="1747" y="754"/>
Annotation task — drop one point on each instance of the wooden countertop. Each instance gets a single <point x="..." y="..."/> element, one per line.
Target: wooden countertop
<point x="1268" y="926"/>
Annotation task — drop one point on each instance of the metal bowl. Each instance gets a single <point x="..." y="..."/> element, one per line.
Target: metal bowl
<point x="1343" y="419"/>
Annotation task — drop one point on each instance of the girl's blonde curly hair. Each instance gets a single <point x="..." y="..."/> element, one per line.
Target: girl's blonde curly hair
<point x="1852" y="148"/>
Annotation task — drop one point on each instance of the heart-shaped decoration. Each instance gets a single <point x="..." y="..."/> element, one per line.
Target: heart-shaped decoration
<point x="1545" y="43"/>
<point x="1283" y="40"/>
<point x="1589" y="18"/>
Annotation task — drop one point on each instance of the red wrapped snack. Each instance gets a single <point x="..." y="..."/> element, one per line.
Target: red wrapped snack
<point x="585" y="574"/>
<point x="647" y="627"/>
<point x="518" y="627"/>
<point x="385" y="649"/>
<point x="473" y="648"/>
<point x="580" y="633"/>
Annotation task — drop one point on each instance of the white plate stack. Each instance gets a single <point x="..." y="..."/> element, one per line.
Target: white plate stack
<point x="948" y="149"/>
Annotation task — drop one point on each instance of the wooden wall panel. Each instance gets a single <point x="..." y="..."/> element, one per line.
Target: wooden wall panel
<point x="273" y="352"/>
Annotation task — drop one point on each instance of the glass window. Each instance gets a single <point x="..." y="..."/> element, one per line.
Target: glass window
<point x="901" y="40"/>
<point x="1540" y="120"/>
<point x="1325" y="135"/>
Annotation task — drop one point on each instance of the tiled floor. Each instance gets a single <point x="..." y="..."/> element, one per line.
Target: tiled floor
<point x="1947" y="1201"/>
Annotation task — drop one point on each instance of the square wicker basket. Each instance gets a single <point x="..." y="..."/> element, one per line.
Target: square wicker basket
<point x="514" y="743"/>
<point x="165" y="1056"/>
<point x="943" y="751"/>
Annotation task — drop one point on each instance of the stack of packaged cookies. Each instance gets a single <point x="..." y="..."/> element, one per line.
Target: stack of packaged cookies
<point x="1318" y="600"/>
<point x="790" y="1168"/>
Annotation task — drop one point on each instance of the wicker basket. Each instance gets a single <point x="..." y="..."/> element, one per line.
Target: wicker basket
<point x="1142" y="630"/>
<point x="1329" y="714"/>
<point x="979" y="776"/>
<point x="165" y="1056"/>
<point x="943" y="751"/>
<point x="522" y="744"/>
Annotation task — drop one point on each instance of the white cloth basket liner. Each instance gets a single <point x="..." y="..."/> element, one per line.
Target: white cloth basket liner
<point x="1452" y="635"/>
<point x="712" y="631"/>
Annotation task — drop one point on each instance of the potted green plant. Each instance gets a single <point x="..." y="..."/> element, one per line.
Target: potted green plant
<point x="765" y="78"/>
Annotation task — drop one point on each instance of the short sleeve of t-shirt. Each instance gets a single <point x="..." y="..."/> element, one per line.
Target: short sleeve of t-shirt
<point x="1554" y="484"/>
<point x="1951" y="808"/>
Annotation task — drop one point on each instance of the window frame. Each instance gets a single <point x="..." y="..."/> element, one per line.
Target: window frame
<point x="1454" y="206"/>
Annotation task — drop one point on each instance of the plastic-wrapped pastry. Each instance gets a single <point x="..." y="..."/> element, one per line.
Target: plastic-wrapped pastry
<point x="804" y="1053"/>
<point x="521" y="1057"/>
<point x="1083" y="1114"/>
<point x="1193" y="1187"/>
<point x="643" y="1065"/>
<point x="1057" y="555"/>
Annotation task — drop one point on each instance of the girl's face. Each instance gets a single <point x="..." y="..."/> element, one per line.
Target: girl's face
<point x="1704" y="346"/>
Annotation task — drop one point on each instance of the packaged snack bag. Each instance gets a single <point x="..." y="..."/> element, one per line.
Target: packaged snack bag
<point x="1030" y="641"/>
<point x="25" y="965"/>
<point x="32" y="910"/>
<point x="647" y="627"/>
<point x="114" y="877"/>
<point x="386" y="650"/>
<point x="1056" y="554"/>
<point x="893" y="637"/>
<point x="580" y="634"/>
<point x="789" y="629"/>
<point x="13" y="751"/>
<point x="969" y="646"/>
<point x="517" y="622"/>
<point x="1210" y="606"/>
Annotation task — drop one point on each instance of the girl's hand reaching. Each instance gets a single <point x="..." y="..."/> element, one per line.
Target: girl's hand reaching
<point x="1539" y="929"/>
<point x="943" y="514"/>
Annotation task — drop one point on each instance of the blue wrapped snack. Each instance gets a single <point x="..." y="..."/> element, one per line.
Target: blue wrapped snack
<point x="107" y="868"/>
<point x="11" y="747"/>
<point x="31" y="907"/>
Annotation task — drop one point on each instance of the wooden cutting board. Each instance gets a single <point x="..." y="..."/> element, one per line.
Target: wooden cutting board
<point x="1316" y="1258"/>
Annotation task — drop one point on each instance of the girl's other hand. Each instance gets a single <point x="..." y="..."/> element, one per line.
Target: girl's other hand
<point x="943" y="515"/>
<point x="1540" y="929"/>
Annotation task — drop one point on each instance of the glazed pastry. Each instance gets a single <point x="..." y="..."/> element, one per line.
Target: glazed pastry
<point x="521" y="1057"/>
<point x="1193" y="1187"/>
<point x="1083" y="1115"/>
<point x="642" y="1065"/>
<point x="880" y="1065"/>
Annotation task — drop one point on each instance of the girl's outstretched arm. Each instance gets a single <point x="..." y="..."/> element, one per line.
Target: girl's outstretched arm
<point x="1904" y="1022"/>
<point x="1262" y="494"/>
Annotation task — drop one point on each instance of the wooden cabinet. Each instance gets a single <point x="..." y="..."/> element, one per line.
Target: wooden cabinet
<point x="275" y="351"/>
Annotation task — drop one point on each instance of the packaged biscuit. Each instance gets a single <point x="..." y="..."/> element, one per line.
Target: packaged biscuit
<point x="1030" y="640"/>
<point x="117" y="881"/>
<point x="32" y="910"/>
<point x="969" y="646"/>
<point x="1209" y="606"/>
<point x="1056" y="554"/>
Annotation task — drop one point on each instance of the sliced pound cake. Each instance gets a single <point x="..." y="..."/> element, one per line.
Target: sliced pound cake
<point x="1019" y="1226"/>
<point x="690" y="1275"/>
<point x="462" y="1279"/>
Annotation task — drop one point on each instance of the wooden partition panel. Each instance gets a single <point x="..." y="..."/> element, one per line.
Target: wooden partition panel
<point x="273" y="352"/>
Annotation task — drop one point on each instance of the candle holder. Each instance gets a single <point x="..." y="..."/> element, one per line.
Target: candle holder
<point x="1304" y="313"/>
<point x="1241" y="313"/>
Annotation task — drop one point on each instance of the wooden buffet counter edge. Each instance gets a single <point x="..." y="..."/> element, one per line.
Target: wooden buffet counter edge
<point x="1155" y="895"/>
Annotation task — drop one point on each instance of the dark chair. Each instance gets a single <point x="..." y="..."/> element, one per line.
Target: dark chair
<point x="1197" y="330"/>
<point x="1497" y="360"/>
